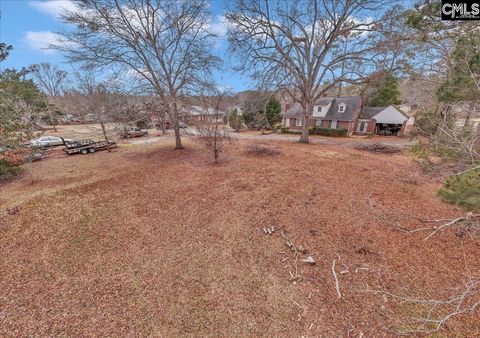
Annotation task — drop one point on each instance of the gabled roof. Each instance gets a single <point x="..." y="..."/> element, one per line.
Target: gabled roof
<point x="369" y="112"/>
<point x="351" y="110"/>
<point x="324" y="101"/>
<point x="294" y="111"/>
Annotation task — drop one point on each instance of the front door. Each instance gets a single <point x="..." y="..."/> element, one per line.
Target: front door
<point x="362" y="127"/>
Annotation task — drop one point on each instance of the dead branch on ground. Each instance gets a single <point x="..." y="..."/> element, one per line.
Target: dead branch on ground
<point x="438" y="312"/>
<point x="469" y="221"/>
<point x="337" y="283"/>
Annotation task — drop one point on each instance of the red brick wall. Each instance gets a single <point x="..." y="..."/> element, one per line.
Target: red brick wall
<point x="370" y="128"/>
<point x="349" y="125"/>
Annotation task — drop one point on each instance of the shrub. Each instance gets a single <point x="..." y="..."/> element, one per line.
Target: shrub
<point x="8" y="170"/>
<point x="328" y="131"/>
<point x="236" y="120"/>
<point x="285" y="130"/>
<point x="463" y="190"/>
<point x="419" y="150"/>
<point x="142" y="123"/>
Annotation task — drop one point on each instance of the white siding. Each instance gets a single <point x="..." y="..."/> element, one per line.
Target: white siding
<point x="390" y="115"/>
<point x="324" y="111"/>
<point x="287" y="122"/>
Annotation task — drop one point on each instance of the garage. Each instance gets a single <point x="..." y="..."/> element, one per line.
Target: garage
<point x="390" y="121"/>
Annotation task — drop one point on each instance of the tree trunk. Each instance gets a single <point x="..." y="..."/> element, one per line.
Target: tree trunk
<point x="50" y="116"/>
<point x="163" y="123"/>
<point x="178" y="140"/>
<point x="306" y="120"/>
<point x="105" y="136"/>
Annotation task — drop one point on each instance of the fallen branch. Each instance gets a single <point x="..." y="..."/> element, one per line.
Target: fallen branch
<point x="438" y="311"/>
<point x="469" y="217"/>
<point x="436" y="229"/>
<point x="337" y="284"/>
<point x="466" y="171"/>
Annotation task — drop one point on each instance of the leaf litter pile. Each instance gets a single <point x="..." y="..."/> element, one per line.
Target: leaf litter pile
<point x="164" y="243"/>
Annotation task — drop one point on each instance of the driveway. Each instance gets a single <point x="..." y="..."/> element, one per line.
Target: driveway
<point x="348" y="142"/>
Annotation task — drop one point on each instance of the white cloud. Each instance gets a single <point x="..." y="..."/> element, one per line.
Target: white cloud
<point x="53" y="7"/>
<point x="219" y="27"/>
<point x="41" y="40"/>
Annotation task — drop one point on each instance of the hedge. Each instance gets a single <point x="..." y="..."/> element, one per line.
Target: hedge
<point x="318" y="131"/>
<point x="328" y="131"/>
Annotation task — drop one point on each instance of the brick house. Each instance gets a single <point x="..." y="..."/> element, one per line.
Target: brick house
<point x="347" y="113"/>
<point x="197" y="114"/>
<point x="328" y="112"/>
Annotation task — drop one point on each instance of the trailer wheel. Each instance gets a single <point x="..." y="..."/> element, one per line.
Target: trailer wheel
<point x="91" y="150"/>
<point x="84" y="151"/>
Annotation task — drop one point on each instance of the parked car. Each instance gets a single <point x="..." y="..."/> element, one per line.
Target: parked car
<point x="48" y="141"/>
<point x="134" y="132"/>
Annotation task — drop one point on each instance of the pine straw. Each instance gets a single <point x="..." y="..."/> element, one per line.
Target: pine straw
<point x="162" y="243"/>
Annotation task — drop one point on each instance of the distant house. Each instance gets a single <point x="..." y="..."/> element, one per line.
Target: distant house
<point x="196" y="114"/>
<point x="347" y="113"/>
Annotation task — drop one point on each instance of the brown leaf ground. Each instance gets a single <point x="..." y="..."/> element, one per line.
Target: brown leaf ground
<point x="160" y="242"/>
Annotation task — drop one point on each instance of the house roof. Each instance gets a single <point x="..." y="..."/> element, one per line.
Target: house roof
<point x="352" y="103"/>
<point x="198" y="110"/>
<point x="369" y="112"/>
<point x="351" y="110"/>
<point x="294" y="111"/>
<point x="324" y="101"/>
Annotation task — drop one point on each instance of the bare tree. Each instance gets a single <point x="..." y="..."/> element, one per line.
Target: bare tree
<point x="305" y="47"/>
<point x="103" y="102"/>
<point x="165" y="42"/>
<point x="51" y="81"/>
<point x="208" y="129"/>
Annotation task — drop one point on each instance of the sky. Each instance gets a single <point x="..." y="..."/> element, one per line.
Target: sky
<point x="30" y="26"/>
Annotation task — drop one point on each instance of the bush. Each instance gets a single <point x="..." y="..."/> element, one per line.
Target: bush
<point x="8" y="170"/>
<point x="142" y="124"/>
<point x="328" y="131"/>
<point x="463" y="190"/>
<point x="285" y="130"/>
<point x="419" y="150"/>
<point x="235" y="120"/>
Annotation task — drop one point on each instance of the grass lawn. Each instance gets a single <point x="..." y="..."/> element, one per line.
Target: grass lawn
<point x="147" y="240"/>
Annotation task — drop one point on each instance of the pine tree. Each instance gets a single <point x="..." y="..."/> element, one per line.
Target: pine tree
<point x="385" y="93"/>
<point x="462" y="83"/>
<point x="273" y="111"/>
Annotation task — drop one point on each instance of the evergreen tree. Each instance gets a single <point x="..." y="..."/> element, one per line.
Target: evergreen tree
<point x="273" y="112"/>
<point x="463" y="81"/>
<point x="385" y="93"/>
<point x="20" y="105"/>
<point x="235" y="120"/>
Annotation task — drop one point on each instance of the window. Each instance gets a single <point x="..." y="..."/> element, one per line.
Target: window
<point x="319" y="109"/>
<point x="318" y="122"/>
<point x="341" y="108"/>
<point x="299" y="122"/>
<point x="333" y="124"/>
